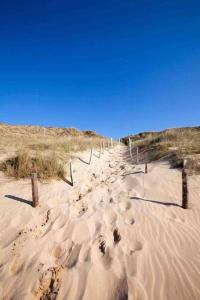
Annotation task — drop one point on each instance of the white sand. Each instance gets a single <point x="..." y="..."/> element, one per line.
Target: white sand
<point x="96" y="241"/>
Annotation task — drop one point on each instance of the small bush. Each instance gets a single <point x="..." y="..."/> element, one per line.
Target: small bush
<point x="22" y="165"/>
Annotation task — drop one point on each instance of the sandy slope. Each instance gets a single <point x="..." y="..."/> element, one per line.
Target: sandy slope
<point x="99" y="239"/>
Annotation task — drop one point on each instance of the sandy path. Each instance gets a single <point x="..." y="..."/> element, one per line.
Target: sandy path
<point x="118" y="234"/>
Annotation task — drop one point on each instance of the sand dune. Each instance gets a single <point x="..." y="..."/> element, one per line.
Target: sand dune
<point x="117" y="234"/>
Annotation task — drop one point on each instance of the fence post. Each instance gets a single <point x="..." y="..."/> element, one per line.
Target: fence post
<point x="91" y="153"/>
<point x="137" y="156"/>
<point x="130" y="148"/>
<point x="34" y="189"/>
<point x="184" y="187"/>
<point x="146" y="168"/>
<point x="111" y="142"/>
<point x="71" y="172"/>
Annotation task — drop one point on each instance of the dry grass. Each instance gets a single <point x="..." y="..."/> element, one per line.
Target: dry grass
<point x="179" y="143"/>
<point x="22" y="165"/>
<point x="27" y="148"/>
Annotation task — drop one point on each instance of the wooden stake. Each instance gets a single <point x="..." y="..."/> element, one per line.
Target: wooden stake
<point x="130" y="148"/>
<point x="71" y="172"/>
<point x="102" y="148"/>
<point x="137" y="156"/>
<point x="91" y="153"/>
<point x="34" y="189"/>
<point x="184" y="187"/>
<point x="146" y="168"/>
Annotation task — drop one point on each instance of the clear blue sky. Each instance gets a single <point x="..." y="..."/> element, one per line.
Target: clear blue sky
<point x="116" y="67"/>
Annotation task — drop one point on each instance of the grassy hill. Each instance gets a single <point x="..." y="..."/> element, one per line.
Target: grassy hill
<point x="24" y="149"/>
<point x="177" y="143"/>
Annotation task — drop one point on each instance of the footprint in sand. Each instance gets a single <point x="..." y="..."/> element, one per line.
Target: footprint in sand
<point x="129" y="221"/>
<point x="131" y="264"/>
<point x="110" y="217"/>
<point x="100" y="253"/>
<point x="57" y="251"/>
<point x="116" y="236"/>
<point x="83" y="209"/>
<point x="17" y="266"/>
<point x="47" y="217"/>
<point x="85" y="253"/>
<point x="73" y="256"/>
<point x="49" y="284"/>
<point x="125" y="205"/>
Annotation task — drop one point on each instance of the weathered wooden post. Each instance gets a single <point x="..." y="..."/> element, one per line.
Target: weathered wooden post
<point x="137" y="157"/>
<point x="91" y="153"/>
<point x="111" y="142"/>
<point x="184" y="186"/>
<point x="34" y="189"/>
<point x="146" y="168"/>
<point x="108" y="143"/>
<point x="71" y="172"/>
<point x="102" y="148"/>
<point x="130" y="148"/>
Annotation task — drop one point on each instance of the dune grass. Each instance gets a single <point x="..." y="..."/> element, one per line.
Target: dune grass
<point x="22" y="165"/>
<point x="44" y="150"/>
<point x="179" y="143"/>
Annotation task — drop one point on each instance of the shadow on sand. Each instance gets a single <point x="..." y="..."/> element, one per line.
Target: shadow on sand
<point x="132" y="173"/>
<point x="18" y="199"/>
<point x="85" y="162"/>
<point x="156" y="202"/>
<point x="67" y="181"/>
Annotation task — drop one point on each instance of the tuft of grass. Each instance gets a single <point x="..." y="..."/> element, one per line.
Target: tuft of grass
<point x="22" y="165"/>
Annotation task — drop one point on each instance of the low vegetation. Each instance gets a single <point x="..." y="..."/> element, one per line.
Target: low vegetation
<point x="24" y="149"/>
<point x="177" y="143"/>
<point x="22" y="165"/>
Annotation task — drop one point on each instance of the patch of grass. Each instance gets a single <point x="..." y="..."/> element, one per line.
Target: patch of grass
<point x="22" y="165"/>
<point x="41" y="149"/>
<point x="178" y="143"/>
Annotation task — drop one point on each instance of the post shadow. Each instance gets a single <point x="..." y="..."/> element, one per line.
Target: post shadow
<point x="82" y="160"/>
<point x="133" y="173"/>
<point x="156" y="202"/>
<point x="67" y="181"/>
<point x="19" y="199"/>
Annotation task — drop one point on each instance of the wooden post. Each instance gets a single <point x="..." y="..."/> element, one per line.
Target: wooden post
<point x="137" y="158"/>
<point x="184" y="187"/>
<point x="71" y="172"/>
<point x="146" y="168"/>
<point x="34" y="189"/>
<point x="146" y="165"/>
<point x="102" y="148"/>
<point x="130" y="148"/>
<point x="111" y="142"/>
<point x="91" y="153"/>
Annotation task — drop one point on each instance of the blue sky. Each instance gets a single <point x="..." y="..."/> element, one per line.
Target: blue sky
<point x="117" y="67"/>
